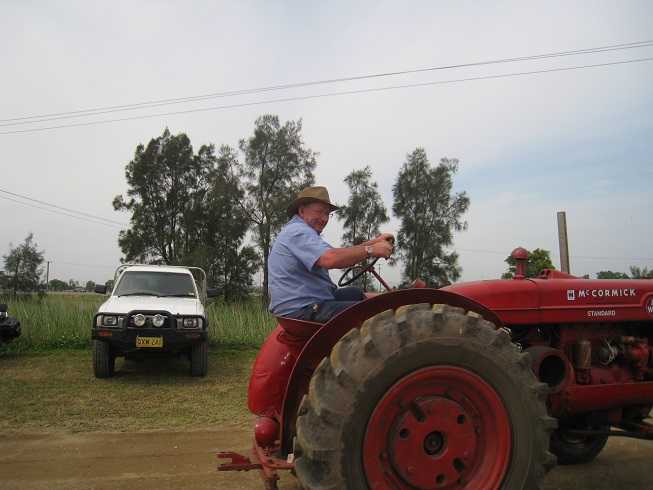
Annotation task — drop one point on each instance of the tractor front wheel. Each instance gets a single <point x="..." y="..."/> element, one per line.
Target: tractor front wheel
<point x="577" y="449"/>
<point x="424" y="398"/>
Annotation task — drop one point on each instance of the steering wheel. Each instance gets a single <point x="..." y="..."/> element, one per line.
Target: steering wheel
<point x="363" y="269"/>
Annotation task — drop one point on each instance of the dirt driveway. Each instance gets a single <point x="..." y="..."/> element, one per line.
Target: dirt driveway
<point x="176" y="460"/>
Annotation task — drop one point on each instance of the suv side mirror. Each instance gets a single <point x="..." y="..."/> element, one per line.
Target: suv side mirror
<point x="101" y="289"/>
<point x="212" y="293"/>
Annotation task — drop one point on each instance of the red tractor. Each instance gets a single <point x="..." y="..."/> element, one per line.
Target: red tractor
<point x="479" y="385"/>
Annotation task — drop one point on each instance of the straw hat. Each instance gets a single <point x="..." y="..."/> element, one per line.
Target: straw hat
<point x="310" y="194"/>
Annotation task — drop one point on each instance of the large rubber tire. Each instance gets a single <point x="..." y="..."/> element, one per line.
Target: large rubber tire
<point x="199" y="358"/>
<point x="367" y="366"/>
<point x="572" y="449"/>
<point x="104" y="362"/>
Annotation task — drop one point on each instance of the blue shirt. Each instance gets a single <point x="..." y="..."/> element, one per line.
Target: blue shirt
<point x="293" y="278"/>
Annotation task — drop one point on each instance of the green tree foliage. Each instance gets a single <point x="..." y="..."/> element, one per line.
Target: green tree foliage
<point x="363" y="214"/>
<point x="611" y="275"/>
<point x="640" y="273"/>
<point x="229" y="265"/>
<point x="57" y="285"/>
<point x="23" y="265"/>
<point x="185" y="210"/>
<point x="277" y="166"/>
<point x="166" y="183"/>
<point x="538" y="260"/>
<point x="429" y="214"/>
<point x="90" y="286"/>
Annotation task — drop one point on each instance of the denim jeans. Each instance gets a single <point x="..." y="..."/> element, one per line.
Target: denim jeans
<point x="323" y="312"/>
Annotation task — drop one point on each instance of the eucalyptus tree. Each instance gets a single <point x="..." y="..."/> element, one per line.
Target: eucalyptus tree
<point x="430" y="212"/>
<point x="363" y="214"/>
<point x="185" y="210"/>
<point x="276" y="167"/>
<point x="23" y="265"/>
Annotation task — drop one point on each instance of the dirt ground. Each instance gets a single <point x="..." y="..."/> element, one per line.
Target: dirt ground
<point x="176" y="460"/>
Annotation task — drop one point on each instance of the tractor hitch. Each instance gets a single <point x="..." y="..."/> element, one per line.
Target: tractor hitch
<point x="238" y="462"/>
<point x="261" y="460"/>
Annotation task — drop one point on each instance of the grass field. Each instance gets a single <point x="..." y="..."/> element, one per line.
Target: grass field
<point x="56" y="391"/>
<point x="47" y="382"/>
<point x="63" y="321"/>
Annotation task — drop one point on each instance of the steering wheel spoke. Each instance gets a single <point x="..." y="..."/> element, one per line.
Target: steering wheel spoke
<point x="358" y="271"/>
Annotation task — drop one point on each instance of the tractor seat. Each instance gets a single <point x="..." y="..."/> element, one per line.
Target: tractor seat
<point x="299" y="328"/>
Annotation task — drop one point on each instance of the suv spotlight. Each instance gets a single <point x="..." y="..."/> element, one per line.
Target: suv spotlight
<point x="152" y="309"/>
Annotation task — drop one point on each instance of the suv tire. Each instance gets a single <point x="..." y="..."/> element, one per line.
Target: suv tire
<point x="199" y="358"/>
<point x="104" y="362"/>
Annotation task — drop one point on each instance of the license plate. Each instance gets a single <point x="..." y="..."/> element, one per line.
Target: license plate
<point x="156" y="342"/>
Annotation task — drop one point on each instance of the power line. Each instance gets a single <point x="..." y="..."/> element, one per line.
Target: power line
<point x="58" y="212"/>
<point x="328" y="94"/>
<point x="195" y="98"/>
<point x="63" y="208"/>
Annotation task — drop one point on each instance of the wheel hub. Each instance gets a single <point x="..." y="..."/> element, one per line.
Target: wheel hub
<point x="439" y="427"/>
<point x="432" y="443"/>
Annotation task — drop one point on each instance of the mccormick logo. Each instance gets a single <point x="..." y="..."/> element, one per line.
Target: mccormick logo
<point x="649" y="306"/>
<point x="573" y="294"/>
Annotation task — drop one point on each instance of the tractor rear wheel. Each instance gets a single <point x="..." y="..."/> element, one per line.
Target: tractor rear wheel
<point x="424" y="398"/>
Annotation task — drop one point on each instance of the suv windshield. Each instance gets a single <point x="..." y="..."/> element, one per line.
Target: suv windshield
<point x="150" y="283"/>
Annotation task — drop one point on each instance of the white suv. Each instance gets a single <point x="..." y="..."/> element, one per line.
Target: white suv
<point x="152" y="308"/>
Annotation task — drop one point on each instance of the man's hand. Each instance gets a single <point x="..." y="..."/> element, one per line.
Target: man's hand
<point x="382" y="248"/>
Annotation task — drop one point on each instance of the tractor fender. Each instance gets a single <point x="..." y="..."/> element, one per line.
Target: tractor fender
<point x="320" y="344"/>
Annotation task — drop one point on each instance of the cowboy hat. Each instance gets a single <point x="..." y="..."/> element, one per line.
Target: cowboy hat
<point x="310" y="194"/>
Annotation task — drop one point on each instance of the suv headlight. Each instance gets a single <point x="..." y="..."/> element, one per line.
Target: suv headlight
<point x="106" y="321"/>
<point x="139" y="320"/>
<point x="189" y="322"/>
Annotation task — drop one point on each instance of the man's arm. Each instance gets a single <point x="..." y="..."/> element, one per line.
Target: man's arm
<point x="339" y="258"/>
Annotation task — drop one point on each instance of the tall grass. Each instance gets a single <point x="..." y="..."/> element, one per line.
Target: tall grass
<point x="63" y="321"/>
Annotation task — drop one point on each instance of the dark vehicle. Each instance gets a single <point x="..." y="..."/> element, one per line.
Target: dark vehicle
<point x="479" y="385"/>
<point x="9" y="327"/>
<point x="152" y="310"/>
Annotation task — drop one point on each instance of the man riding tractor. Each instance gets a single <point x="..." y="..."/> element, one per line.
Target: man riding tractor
<point x="303" y="298"/>
<point x="299" y="282"/>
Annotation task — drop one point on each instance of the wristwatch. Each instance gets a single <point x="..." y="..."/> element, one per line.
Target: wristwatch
<point x="368" y="249"/>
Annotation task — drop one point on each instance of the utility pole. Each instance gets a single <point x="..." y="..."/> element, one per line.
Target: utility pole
<point x="47" y="277"/>
<point x="563" y="242"/>
<point x="16" y="276"/>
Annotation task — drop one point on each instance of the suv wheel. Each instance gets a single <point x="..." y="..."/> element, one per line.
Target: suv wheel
<point x="199" y="358"/>
<point x="104" y="362"/>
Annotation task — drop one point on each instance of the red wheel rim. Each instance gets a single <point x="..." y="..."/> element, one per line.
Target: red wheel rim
<point x="439" y="427"/>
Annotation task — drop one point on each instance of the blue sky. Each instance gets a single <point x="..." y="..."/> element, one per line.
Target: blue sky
<point x="529" y="146"/>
